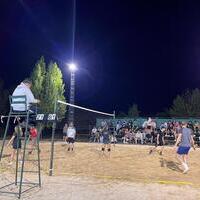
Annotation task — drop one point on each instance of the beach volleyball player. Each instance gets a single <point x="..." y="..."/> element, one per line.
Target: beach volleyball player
<point x="184" y="142"/>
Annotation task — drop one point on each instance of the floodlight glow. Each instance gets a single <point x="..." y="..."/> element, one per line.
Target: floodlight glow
<point x="72" y="67"/>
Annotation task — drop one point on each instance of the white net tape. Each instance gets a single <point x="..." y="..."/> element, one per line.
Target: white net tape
<point x="90" y="110"/>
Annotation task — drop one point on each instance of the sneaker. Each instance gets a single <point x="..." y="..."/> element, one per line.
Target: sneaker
<point x="186" y="168"/>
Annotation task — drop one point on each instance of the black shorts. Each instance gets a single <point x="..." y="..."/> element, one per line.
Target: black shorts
<point x="70" y="140"/>
<point x="15" y="145"/>
<point x="64" y="134"/>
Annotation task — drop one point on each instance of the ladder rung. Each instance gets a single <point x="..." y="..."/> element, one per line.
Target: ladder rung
<point x="29" y="149"/>
<point x="28" y="171"/>
<point x="31" y="160"/>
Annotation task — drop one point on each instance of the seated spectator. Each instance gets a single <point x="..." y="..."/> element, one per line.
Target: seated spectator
<point x="127" y="136"/>
<point x="139" y="137"/>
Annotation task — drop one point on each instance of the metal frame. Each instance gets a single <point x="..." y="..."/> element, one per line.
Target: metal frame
<point x="71" y="98"/>
<point x="25" y="114"/>
<point x="52" y="140"/>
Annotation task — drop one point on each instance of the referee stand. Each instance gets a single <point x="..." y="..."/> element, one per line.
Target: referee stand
<point x="20" y="164"/>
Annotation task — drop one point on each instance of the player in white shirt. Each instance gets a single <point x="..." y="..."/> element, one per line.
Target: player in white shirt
<point x="71" y="134"/>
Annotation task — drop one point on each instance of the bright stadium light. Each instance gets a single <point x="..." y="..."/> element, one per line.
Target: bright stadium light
<point x="72" y="67"/>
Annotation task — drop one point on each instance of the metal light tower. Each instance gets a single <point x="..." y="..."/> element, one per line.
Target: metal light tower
<point x="72" y="69"/>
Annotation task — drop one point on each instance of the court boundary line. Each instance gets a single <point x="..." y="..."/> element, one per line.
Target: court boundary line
<point x="147" y="181"/>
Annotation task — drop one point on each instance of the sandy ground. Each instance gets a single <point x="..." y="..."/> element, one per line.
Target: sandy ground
<point x="79" y="188"/>
<point x="129" y="172"/>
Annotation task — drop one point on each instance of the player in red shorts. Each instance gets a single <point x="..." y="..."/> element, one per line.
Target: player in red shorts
<point x="33" y="137"/>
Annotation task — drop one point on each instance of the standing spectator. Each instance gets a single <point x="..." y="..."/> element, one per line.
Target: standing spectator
<point x="65" y="132"/>
<point x="138" y="136"/>
<point x="93" y="134"/>
<point x="177" y="130"/>
<point x="118" y="127"/>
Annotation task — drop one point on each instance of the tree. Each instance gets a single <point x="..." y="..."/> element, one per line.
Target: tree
<point x="165" y="113"/>
<point x="48" y="86"/>
<point x="121" y="114"/>
<point x="54" y="90"/>
<point x="133" y="111"/>
<point x="187" y="104"/>
<point x="38" y="78"/>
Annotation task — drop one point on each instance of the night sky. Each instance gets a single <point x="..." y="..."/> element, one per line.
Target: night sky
<point x="127" y="51"/>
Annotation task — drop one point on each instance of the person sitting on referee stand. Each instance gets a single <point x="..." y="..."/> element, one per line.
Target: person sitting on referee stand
<point x="24" y="89"/>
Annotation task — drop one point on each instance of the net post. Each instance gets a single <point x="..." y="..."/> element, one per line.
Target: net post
<point x="52" y="141"/>
<point x="114" y="114"/>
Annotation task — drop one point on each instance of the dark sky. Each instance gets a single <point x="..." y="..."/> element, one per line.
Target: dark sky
<point x="127" y="51"/>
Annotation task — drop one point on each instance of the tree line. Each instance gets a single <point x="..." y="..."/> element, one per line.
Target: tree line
<point x="186" y="105"/>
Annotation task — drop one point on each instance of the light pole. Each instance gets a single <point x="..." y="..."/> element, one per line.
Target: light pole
<point x="72" y="68"/>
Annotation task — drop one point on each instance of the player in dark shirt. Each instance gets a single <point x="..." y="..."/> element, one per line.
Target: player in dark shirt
<point x="160" y="142"/>
<point x="16" y="142"/>
<point x="106" y="139"/>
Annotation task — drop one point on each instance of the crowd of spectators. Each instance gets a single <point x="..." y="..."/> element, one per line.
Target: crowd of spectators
<point x="146" y="133"/>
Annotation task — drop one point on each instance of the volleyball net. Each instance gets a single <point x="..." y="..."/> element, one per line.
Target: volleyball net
<point x="84" y="118"/>
<point x="87" y="109"/>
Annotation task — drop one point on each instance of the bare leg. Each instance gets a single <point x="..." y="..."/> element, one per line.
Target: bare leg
<point x="182" y="160"/>
<point x="72" y="146"/>
<point x="33" y="144"/>
<point x="185" y="158"/>
<point x="12" y="155"/>
<point x="179" y="158"/>
<point x="68" y="146"/>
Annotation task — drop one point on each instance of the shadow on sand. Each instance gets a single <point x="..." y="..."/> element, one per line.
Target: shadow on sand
<point x="170" y="164"/>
